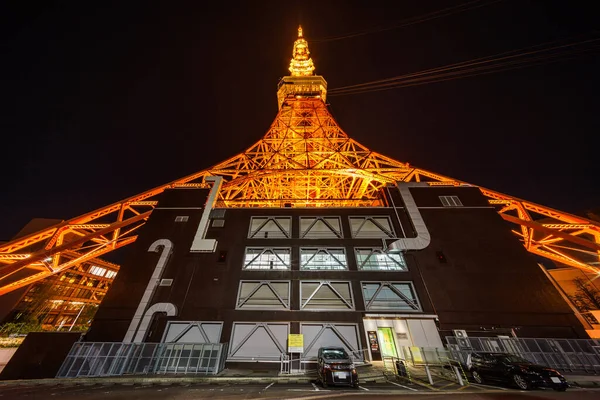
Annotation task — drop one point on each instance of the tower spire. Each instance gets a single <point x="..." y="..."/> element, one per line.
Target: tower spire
<point x="301" y="63"/>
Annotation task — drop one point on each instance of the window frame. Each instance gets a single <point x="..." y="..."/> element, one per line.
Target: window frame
<point x="265" y="248"/>
<point x="450" y="201"/>
<point x="261" y="283"/>
<point x="322" y="283"/>
<point x="367" y="217"/>
<point x="358" y="265"/>
<point x="300" y="265"/>
<point x="390" y="284"/>
<point x="337" y="235"/>
<point x="287" y="235"/>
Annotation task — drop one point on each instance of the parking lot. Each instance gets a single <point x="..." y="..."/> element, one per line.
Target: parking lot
<point x="273" y="390"/>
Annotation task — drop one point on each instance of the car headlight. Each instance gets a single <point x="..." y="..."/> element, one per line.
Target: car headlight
<point x="326" y="366"/>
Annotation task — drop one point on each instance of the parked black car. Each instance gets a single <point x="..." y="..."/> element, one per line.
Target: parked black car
<point x="335" y="367"/>
<point x="508" y="368"/>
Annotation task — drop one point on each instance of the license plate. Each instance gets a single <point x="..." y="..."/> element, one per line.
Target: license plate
<point x="555" y="379"/>
<point x="341" y="375"/>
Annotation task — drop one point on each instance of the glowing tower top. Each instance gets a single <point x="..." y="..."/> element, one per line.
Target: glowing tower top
<point x="301" y="64"/>
<point x="301" y="83"/>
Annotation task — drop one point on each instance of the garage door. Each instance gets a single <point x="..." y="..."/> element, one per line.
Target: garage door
<point x="254" y="341"/>
<point x="318" y="335"/>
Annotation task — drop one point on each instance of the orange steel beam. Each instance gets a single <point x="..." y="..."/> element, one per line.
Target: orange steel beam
<point x="316" y="166"/>
<point x="33" y="261"/>
<point x="304" y="159"/>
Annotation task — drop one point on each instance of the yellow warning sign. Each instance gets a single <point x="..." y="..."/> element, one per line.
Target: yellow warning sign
<point x="295" y="343"/>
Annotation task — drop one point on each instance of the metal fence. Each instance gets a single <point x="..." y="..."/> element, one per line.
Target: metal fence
<point x="89" y="359"/>
<point x="423" y="363"/>
<point x="562" y="354"/>
<point x="307" y="364"/>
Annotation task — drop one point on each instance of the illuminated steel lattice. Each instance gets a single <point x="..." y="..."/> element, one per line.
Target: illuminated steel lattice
<point x="304" y="160"/>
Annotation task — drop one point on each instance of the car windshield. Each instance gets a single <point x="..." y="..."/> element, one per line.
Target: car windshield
<point x="514" y="359"/>
<point x="335" y="354"/>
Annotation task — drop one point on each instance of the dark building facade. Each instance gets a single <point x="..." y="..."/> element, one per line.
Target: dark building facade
<point x="336" y="275"/>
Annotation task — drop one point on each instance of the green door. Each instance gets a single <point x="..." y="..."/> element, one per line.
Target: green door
<point x="386" y="342"/>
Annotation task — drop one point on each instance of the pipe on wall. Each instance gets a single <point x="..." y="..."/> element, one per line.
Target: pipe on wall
<point x="167" y="249"/>
<point x="423" y="237"/>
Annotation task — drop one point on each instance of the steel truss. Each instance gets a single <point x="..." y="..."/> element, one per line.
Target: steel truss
<point x="304" y="160"/>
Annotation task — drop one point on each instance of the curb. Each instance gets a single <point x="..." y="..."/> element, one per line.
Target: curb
<point x="149" y="380"/>
<point x="585" y="384"/>
<point x="170" y="380"/>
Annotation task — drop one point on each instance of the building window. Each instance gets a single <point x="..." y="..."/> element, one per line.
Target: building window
<point x="371" y="227"/>
<point x="267" y="258"/>
<point x="165" y="282"/>
<point x="264" y="295"/>
<point x="397" y="296"/>
<point x="270" y="228"/>
<point x="450" y="201"/>
<point x="323" y="259"/>
<point x="326" y="295"/>
<point x="375" y="259"/>
<point x="218" y="223"/>
<point x="94" y="270"/>
<point x="110" y="274"/>
<point x="320" y="228"/>
<point x="182" y="218"/>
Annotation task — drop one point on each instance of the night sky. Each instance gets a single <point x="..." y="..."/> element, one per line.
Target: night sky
<point x="104" y="100"/>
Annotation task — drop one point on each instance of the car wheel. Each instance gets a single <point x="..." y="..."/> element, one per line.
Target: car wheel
<point x="521" y="382"/>
<point x="560" y="389"/>
<point x="477" y="377"/>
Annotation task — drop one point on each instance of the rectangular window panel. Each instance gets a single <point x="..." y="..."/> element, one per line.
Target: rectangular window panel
<point x="97" y="270"/>
<point x="320" y="228"/>
<point x="375" y="259"/>
<point x="326" y="295"/>
<point x="371" y="227"/>
<point x="111" y="274"/>
<point x="253" y="341"/>
<point x="270" y="228"/>
<point x="323" y="259"/>
<point x="264" y="295"/>
<point x="267" y="258"/>
<point x="450" y="201"/>
<point x="397" y="296"/>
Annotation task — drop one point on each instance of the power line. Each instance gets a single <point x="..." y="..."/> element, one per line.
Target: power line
<point x="485" y="65"/>
<point x="412" y="21"/>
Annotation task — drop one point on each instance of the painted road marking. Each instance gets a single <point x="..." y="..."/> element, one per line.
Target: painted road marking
<point x="364" y="388"/>
<point x="271" y="384"/>
<point x="405" y="387"/>
<point x="315" y="386"/>
<point x="488" y="386"/>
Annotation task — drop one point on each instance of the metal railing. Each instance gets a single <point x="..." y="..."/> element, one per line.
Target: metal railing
<point x="562" y="354"/>
<point x="423" y="363"/>
<point x="90" y="359"/>
<point x="360" y="357"/>
<point x="306" y="364"/>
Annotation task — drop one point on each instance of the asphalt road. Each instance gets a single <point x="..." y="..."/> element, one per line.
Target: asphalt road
<point x="281" y="391"/>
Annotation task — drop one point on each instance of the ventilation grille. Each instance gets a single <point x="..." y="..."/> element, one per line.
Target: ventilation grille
<point x="217" y="213"/>
<point x="166" y="282"/>
<point x="182" y="218"/>
<point x="218" y="223"/>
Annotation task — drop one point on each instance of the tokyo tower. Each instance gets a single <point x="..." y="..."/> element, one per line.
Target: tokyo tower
<point x="305" y="159"/>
